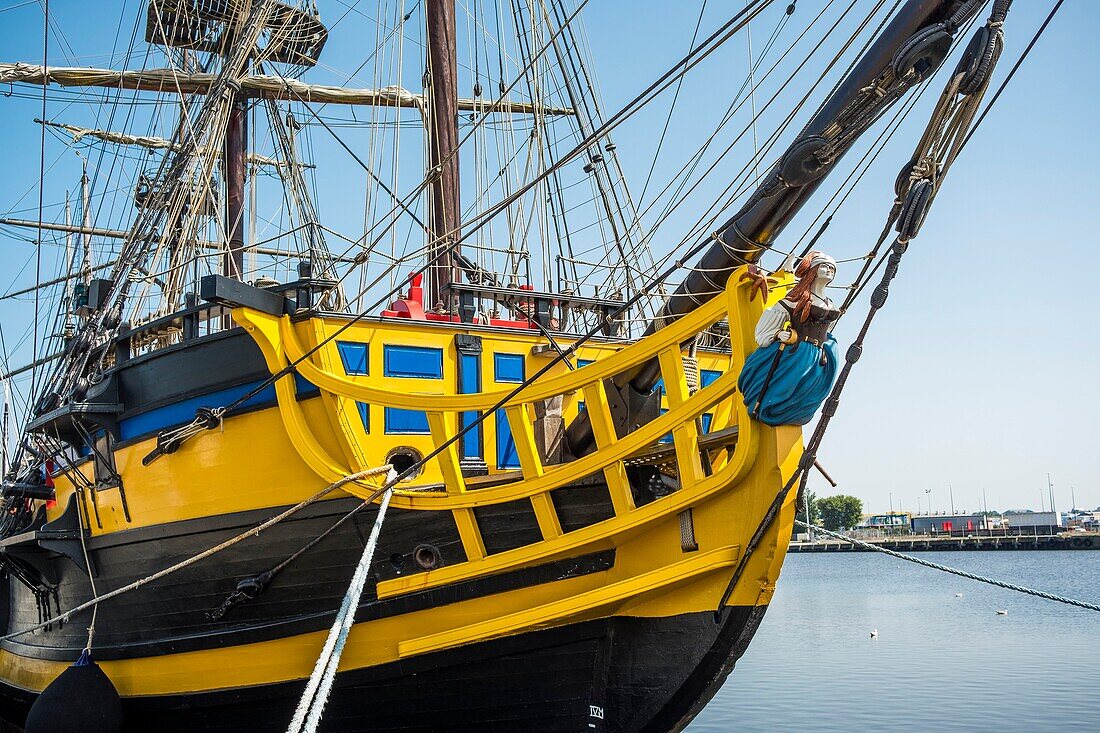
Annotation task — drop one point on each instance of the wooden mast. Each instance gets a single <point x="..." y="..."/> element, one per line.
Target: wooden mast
<point x="442" y="149"/>
<point x="235" y="159"/>
<point x="235" y="154"/>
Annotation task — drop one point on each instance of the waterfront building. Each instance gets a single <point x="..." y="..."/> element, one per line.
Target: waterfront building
<point x="1081" y="519"/>
<point x="876" y="525"/>
<point x="1052" y="521"/>
<point x="888" y="520"/>
<point x="947" y="523"/>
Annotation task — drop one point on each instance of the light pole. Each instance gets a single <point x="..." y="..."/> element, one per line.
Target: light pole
<point x="890" y="514"/>
<point x="809" y="527"/>
<point x="1050" y="488"/>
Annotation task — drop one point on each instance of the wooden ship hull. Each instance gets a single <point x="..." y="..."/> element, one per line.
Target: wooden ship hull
<point x="594" y="553"/>
<point x="509" y="590"/>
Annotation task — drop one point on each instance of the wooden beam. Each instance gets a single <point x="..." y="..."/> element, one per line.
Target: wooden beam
<point x="119" y="234"/>
<point x="169" y="81"/>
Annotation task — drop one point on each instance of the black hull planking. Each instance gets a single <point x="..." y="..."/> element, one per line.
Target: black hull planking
<point x="610" y="675"/>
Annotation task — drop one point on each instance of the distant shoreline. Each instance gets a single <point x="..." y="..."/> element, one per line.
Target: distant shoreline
<point x="923" y="543"/>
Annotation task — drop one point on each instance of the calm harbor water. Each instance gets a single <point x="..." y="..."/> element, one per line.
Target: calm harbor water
<point x="940" y="662"/>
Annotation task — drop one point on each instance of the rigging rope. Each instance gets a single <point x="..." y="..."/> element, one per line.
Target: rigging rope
<point x="1012" y="72"/>
<point x="738" y="21"/>
<point x="953" y="571"/>
<point x="915" y="190"/>
<point x="315" y="697"/>
<point x="41" y="193"/>
<point x="209" y="552"/>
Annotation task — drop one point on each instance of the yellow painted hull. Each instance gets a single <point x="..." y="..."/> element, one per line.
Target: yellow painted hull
<point x="269" y="458"/>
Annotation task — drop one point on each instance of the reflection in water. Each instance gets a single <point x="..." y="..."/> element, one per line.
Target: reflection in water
<point x="940" y="661"/>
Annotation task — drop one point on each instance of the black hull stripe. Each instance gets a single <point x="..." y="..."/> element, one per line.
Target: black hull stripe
<point x="370" y="609"/>
<point x="643" y="674"/>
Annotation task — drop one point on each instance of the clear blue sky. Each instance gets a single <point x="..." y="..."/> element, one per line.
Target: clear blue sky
<point x="980" y="371"/>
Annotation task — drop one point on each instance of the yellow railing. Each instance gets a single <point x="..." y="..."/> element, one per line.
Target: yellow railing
<point x="281" y="343"/>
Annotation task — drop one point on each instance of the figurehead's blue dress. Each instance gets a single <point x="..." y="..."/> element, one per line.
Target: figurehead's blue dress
<point x="800" y="375"/>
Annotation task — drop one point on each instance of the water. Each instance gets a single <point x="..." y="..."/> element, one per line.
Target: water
<point x="939" y="663"/>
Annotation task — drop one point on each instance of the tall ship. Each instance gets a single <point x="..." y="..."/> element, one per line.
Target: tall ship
<point x="490" y="463"/>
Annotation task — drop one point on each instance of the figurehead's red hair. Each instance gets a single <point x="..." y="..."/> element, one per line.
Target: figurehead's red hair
<point x="806" y="272"/>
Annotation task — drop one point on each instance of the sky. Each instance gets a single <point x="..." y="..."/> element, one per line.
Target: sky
<point x="978" y="377"/>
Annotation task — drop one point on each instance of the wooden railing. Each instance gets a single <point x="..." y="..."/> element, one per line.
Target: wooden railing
<point x="281" y="343"/>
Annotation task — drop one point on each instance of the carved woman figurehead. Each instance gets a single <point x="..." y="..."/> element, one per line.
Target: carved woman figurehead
<point x="814" y="273"/>
<point x="785" y="380"/>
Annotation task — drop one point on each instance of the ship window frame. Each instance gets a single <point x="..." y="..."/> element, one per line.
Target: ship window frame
<point x="351" y="359"/>
<point x="708" y="377"/>
<point x="504" y="365"/>
<point x="404" y="361"/>
<point x="393" y="415"/>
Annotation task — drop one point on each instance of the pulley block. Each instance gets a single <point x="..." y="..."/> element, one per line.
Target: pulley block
<point x="923" y="53"/>
<point x="902" y="182"/>
<point x="801" y="164"/>
<point x="980" y="57"/>
<point x="915" y="209"/>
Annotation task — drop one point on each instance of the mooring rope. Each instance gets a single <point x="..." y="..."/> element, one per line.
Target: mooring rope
<point x="953" y="571"/>
<point x="308" y="715"/>
<point x="387" y="469"/>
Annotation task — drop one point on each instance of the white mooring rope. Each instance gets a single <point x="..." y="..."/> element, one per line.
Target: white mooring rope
<point x="953" y="571"/>
<point x="315" y="697"/>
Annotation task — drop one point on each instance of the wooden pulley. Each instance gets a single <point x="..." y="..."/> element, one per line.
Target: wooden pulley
<point x="801" y="164"/>
<point x="923" y="53"/>
<point x="915" y="209"/>
<point x="979" y="58"/>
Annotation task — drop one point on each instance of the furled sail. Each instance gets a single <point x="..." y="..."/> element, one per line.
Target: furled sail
<point x="259" y="86"/>
<point x="151" y="142"/>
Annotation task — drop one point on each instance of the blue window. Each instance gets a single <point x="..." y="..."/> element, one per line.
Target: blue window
<point x="406" y="422"/>
<point x="668" y="437"/>
<point x="584" y="362"/>
<point x="507" y="456"/>
<point x="707" y="377"/>
<point x="706" y="418"/>
<point x="508" y="367"/>
<point x="469" y="382"/>
<point x="418" y="362"/>
<point x="364" y="414"/>
<point x="354" y="357"/>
